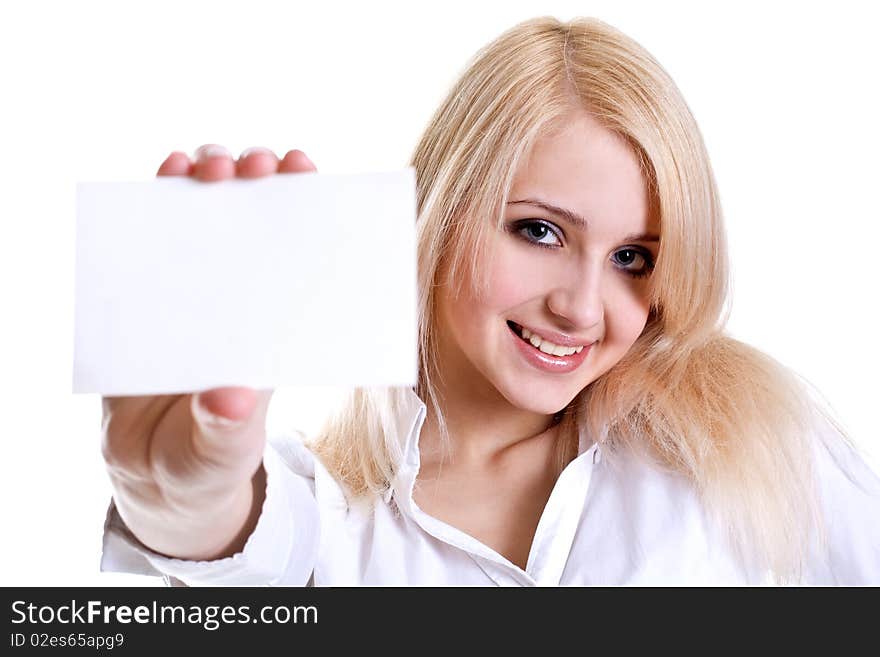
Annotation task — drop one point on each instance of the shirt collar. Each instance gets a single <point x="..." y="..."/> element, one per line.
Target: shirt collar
<point x="409" y="419"/>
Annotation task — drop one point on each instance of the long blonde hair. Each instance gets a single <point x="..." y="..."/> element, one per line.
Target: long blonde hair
<point x="729" y="418"/>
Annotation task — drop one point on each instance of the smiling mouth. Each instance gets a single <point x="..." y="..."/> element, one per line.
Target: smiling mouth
<point x="544" y="346"/>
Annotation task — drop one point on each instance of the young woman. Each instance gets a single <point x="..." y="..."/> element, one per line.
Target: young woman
<point x="580" y="416"/>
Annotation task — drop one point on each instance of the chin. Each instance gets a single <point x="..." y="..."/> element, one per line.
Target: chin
<point x="542" y="404"/>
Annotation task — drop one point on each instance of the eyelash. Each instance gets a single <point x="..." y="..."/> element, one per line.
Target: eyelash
<point x="519" y="228"/>
<point x="646" y="256"/>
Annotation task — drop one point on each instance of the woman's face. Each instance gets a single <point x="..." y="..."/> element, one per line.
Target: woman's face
<point x="571" y="267"/>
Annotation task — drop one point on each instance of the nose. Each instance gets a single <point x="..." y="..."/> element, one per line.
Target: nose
<point x="578" y="300"/>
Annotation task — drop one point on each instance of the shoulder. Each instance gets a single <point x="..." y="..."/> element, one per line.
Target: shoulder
<point x="840" y="467"/>
<point x="848" y="550"/>
<point x="842" y="473"/>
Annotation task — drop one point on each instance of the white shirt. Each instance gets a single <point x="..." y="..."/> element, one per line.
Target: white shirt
<point x="607" y="522"/>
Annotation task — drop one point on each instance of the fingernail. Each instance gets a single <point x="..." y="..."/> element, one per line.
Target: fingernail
<point x="208" y="419"/>
<point x="220" y="421"/>
<point x="298" y="153"/>
<point x="255" y="149"/>
<point x="211" y="150"/>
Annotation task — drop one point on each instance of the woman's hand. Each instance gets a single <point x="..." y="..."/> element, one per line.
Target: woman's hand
<point x="186" y="470"/>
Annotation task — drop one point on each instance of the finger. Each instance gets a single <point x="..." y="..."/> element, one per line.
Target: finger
<point x="133" y="406"/>
<point x="224" y="405"/>
<point x="256" y="162"/>
<point x="296" y="162"/>
<point x="126" y="421"/>
<point x="229" y="421"/>
<point x="176" y="164"/>
<point x="213" y="163"/>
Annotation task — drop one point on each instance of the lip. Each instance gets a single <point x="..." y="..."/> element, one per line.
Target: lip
<point x="546" y="362"/>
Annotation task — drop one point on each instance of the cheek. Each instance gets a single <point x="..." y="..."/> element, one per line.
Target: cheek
<point x="469" y="315"/>
<point x="509" y="285"/>
<point x="626" y="315"/>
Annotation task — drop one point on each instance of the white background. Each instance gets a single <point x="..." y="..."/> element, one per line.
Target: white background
<point x="785" y="94"/>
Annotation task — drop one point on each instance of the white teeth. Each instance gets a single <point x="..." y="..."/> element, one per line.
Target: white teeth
<point x="548" y="347"/>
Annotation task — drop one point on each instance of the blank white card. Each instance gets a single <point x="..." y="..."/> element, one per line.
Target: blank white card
<point x="295" y="279"/>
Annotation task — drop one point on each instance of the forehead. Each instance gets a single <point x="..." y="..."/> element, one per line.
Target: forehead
<point x="584" y="167"/>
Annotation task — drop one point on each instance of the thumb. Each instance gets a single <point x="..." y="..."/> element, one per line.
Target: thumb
<point x="222" y="409"/>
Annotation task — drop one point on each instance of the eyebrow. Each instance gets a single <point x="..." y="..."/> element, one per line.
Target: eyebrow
<point x="578" y="221"/>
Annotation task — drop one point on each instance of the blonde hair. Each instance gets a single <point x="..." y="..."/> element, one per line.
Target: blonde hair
<point x="724" y="415"/>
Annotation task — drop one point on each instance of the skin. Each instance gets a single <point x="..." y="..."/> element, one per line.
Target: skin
<point x="499" y="408"/>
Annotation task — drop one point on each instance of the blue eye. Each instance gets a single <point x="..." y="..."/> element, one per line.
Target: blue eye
<point x="634" y="261"/>
<point x="541" y="233"/>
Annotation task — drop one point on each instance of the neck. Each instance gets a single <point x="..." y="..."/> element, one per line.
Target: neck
<point x="482" y="425"/>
